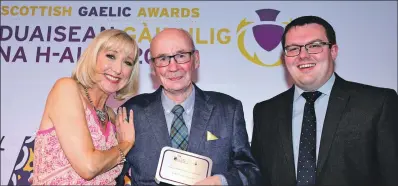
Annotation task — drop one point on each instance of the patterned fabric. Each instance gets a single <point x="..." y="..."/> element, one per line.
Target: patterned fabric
<point x="51" y="167"/>
<point x="179" y="131"/>
<point x="307" y="154"/>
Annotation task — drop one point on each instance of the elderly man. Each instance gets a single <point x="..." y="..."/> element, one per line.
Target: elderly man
<point x="212" y="123"/>
<point x="324" y="130"/>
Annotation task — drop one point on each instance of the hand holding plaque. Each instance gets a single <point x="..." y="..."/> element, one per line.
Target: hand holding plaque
<point x="178" y="167"/>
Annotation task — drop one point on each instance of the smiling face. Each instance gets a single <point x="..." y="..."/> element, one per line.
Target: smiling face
<point x="109" y="64"/>
<point x="310" y="71"/>
<point x="175" y="78"/>
<point x="113" y="69"/>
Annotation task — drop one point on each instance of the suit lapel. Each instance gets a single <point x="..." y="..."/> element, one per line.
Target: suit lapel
<point x="285" y="132"/>
<point x="201" y="114"/>
<point x="156" y="118"/>
<point x="338" y="100"/>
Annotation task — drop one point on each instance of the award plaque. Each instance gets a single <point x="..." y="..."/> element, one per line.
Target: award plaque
<point x="178" y="167"/>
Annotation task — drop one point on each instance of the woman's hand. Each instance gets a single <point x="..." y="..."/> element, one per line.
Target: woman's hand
<point x="125" y="131"/>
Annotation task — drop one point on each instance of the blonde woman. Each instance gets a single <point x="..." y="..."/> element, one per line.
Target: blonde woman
<point x="81" y="140"/>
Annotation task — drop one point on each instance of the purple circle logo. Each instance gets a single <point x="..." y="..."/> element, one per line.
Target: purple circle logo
<point x="267" y="36"/>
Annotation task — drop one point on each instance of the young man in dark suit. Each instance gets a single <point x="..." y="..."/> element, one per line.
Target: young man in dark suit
<point x="324" y="130"/>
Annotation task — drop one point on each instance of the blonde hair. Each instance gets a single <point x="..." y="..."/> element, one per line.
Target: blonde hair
<point x="84" y="71"/>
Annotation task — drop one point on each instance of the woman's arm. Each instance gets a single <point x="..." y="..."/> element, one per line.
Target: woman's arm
<point x="67" y="114"/>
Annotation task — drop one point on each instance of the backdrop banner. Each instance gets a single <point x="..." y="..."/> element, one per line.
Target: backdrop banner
<point x="239" y="46"/>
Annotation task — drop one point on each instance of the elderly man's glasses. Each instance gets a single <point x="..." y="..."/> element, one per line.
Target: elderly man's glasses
<point x="311" y="48"/>
<point x="180" y="58"/>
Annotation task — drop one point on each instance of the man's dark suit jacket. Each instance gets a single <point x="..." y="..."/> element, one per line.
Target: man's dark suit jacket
<point x="215" y="112"/>
<point x="359" y="142"/>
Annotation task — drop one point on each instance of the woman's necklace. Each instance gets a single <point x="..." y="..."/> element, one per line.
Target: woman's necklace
<point x="102" y="115"/>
